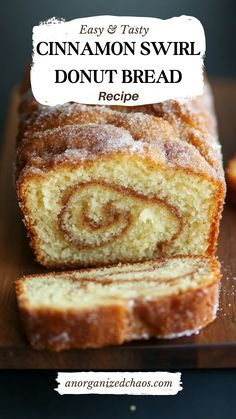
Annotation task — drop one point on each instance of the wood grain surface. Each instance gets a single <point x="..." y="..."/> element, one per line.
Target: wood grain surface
<point x="214" y="347"/>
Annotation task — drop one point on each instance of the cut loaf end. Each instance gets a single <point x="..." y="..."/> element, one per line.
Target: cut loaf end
<point x="100" y="186"/>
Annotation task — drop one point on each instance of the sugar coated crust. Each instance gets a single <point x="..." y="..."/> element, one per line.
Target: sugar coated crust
<point x="180" y="133"/>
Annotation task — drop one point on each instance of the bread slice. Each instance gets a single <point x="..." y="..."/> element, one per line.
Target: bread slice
<point x="98" y="185"/>
<point x="165" y="298"/>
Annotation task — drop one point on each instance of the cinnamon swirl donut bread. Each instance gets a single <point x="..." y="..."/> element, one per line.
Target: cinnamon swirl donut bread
<point x="100" y="185"/>
<point x="164" y="298"/>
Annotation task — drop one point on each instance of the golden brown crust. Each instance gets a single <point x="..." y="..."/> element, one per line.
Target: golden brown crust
<point x="166" y="316"/>
<point x="163" y="127"/>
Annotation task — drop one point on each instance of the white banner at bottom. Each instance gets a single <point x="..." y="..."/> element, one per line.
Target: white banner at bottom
<point x="133" y="383"/>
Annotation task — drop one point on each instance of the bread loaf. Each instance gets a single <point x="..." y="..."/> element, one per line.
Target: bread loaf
<point x="100" y="185"/>
<point x="164" y="298"/>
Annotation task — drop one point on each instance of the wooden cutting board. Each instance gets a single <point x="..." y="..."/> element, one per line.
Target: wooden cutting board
<point x="214" y="347"/>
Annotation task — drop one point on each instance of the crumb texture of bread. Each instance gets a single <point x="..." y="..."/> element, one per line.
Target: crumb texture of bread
<point x="163" y="298"/>
<point x="100" y="185"/>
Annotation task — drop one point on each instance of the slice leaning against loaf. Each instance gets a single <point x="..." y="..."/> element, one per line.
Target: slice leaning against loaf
<point x="165" y="298"/>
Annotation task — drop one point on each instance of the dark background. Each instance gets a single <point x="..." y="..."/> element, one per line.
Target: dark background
<point x="30" y="395"/>
<point x="206" y="394"/>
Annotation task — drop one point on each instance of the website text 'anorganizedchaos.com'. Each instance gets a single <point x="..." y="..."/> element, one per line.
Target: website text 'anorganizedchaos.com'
<point x="119" y="383"/>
